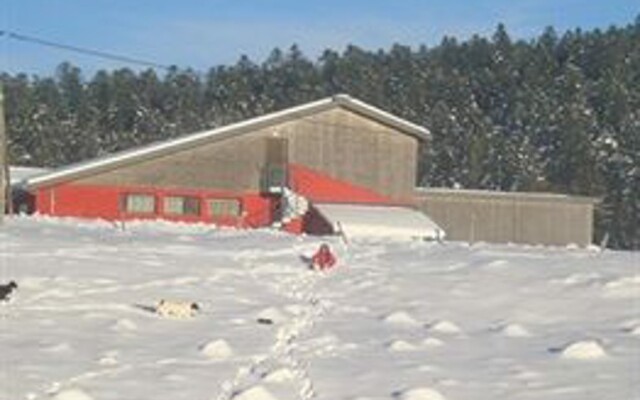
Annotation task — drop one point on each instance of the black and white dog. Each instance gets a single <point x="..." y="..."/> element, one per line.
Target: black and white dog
<point x="6" y="289"/>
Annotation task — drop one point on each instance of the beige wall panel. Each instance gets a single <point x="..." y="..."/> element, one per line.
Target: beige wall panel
<point x="337" y="142"/>
<point x="515" y="219"/>
<point x="231" y="164"/>
<point x="354" y="148"/>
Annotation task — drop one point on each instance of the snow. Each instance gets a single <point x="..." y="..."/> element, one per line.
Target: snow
<point x="401" y="318"/>
<point x="217" y="349"/>
<point x="72" y="394"/>
<point x="396" y="320"/>
<point x="421" y="394"/>
<point x="515" y="331"/>
<point x="447" y="327"/>
<point x="389" y="222"/>
<point x="18" y="174"/>
<point x="584" y="350"/>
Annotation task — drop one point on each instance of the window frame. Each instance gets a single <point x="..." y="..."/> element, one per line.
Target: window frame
<point x="225" y="202"/>
<point x="124" y="203"/>
<point x="187" y="209"/>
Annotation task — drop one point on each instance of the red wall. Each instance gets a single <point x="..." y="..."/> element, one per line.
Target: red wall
<point x="87" y="201"/>
<point x="322" y="188"/>
<point x="258" y="210"/>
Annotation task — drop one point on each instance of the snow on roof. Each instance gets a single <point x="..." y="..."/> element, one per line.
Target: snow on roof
<point x="165" y="147"/>
<point x="544" y="196"/>
<point x="380" y="221"/>
<point x="18" y="174"/>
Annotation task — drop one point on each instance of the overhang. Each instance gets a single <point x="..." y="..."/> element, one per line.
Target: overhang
<point x="379" y="221"/>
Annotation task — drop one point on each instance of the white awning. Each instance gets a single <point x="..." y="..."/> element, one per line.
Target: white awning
<point x="379" y="221"/>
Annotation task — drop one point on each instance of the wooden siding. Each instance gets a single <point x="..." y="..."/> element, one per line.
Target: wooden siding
<point x="355" y="149"/>
<point x="231" y="164"/>
<point x="337" y="142"/>
<point x="517" y="219"/>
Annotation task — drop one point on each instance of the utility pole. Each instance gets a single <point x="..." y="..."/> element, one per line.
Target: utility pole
<point x="5" y="182"/>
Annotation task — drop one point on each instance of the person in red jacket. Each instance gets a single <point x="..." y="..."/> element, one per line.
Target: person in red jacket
<point x="323" y="259"/>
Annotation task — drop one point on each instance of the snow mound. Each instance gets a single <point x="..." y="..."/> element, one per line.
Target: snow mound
<point x="59" y="348"/>
<point x="108" y="360"/>
<point x="432" y="342"/>
<point x="420" y="393"/>
<point x="295" y="309"/>
<point x="401" y="318"/>
<point x="72" y="394"/>
<point x="445" y="326"/>
<point x="271" y="314"/>
<point x="254" y="393"/>
<point x="628" y="286"/>
<point x="280" y="375"/>
<point x="217" y="350"/>
<point x="515" y="331"/>
<point x="401" y="345"/>
<point x="584" y="350"/>
<point x="124" y="325"/>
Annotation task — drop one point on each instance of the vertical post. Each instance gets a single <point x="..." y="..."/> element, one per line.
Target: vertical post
<point x="5" y="200"/>
<point x="3" y="161"/>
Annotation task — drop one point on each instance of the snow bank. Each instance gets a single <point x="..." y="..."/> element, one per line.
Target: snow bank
<point x="124" y="325"/>
<point x="432" y="342"/>
<point x="515" y="331"/>
<point x="401" y="345"/>
<point x="347" y="335"/>
<point x="255" y="393"/>
<point x="280" y="375"/>
<point x="420" y="393"/>
<point x="628" y="286"/>
<point x="401" y="318"/>
<point x="445" y="326"/>
<point x="583" y="350"/>
<point x="217" y="350"/>
<point x="72" y="394"/>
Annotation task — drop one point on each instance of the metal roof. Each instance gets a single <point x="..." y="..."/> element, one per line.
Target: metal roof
<point x="169" y="146"/>
<point x="494" y="194"/>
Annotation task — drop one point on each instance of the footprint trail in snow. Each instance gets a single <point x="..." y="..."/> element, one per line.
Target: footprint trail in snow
<point x="283" y="363"/>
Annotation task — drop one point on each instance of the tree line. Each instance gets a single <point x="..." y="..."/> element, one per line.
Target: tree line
<point x="559" y="112"/>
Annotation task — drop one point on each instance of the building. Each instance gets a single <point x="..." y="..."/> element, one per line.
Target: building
<point x="334" y="165"/>
<point x="501" y="217"/>
<point x="299" y="169"/>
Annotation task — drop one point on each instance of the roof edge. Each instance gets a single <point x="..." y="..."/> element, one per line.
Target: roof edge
<point x="160" y="148"/>
<point x="537" y="196"/>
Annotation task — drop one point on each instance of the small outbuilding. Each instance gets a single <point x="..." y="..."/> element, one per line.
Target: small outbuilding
<point x="510" y="217"/>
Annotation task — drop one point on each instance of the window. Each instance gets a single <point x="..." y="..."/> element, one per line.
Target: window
<point x="140" y="203"/>
<point x="224" y="207"/>
<point x="181" y="205"/>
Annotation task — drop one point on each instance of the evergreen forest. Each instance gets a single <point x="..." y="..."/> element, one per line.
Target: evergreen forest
<point x="558" y="113"/>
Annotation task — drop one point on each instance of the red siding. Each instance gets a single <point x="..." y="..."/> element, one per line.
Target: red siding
<point x="322" y="188"/>
<point x="257" y="210"/>
<point x="88" y="201"/>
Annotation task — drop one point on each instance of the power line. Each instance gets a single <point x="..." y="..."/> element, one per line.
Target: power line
<point x="90" y="52"/>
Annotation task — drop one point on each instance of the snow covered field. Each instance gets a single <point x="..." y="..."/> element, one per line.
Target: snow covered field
<point x="410" y="321"/>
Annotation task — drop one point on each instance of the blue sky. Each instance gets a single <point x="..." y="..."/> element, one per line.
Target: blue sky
<point x="204" y="33"/>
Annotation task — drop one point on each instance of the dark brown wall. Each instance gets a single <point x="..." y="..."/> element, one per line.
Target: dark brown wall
<point x="338" y="142"/>
<point x="500" y="218"/>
